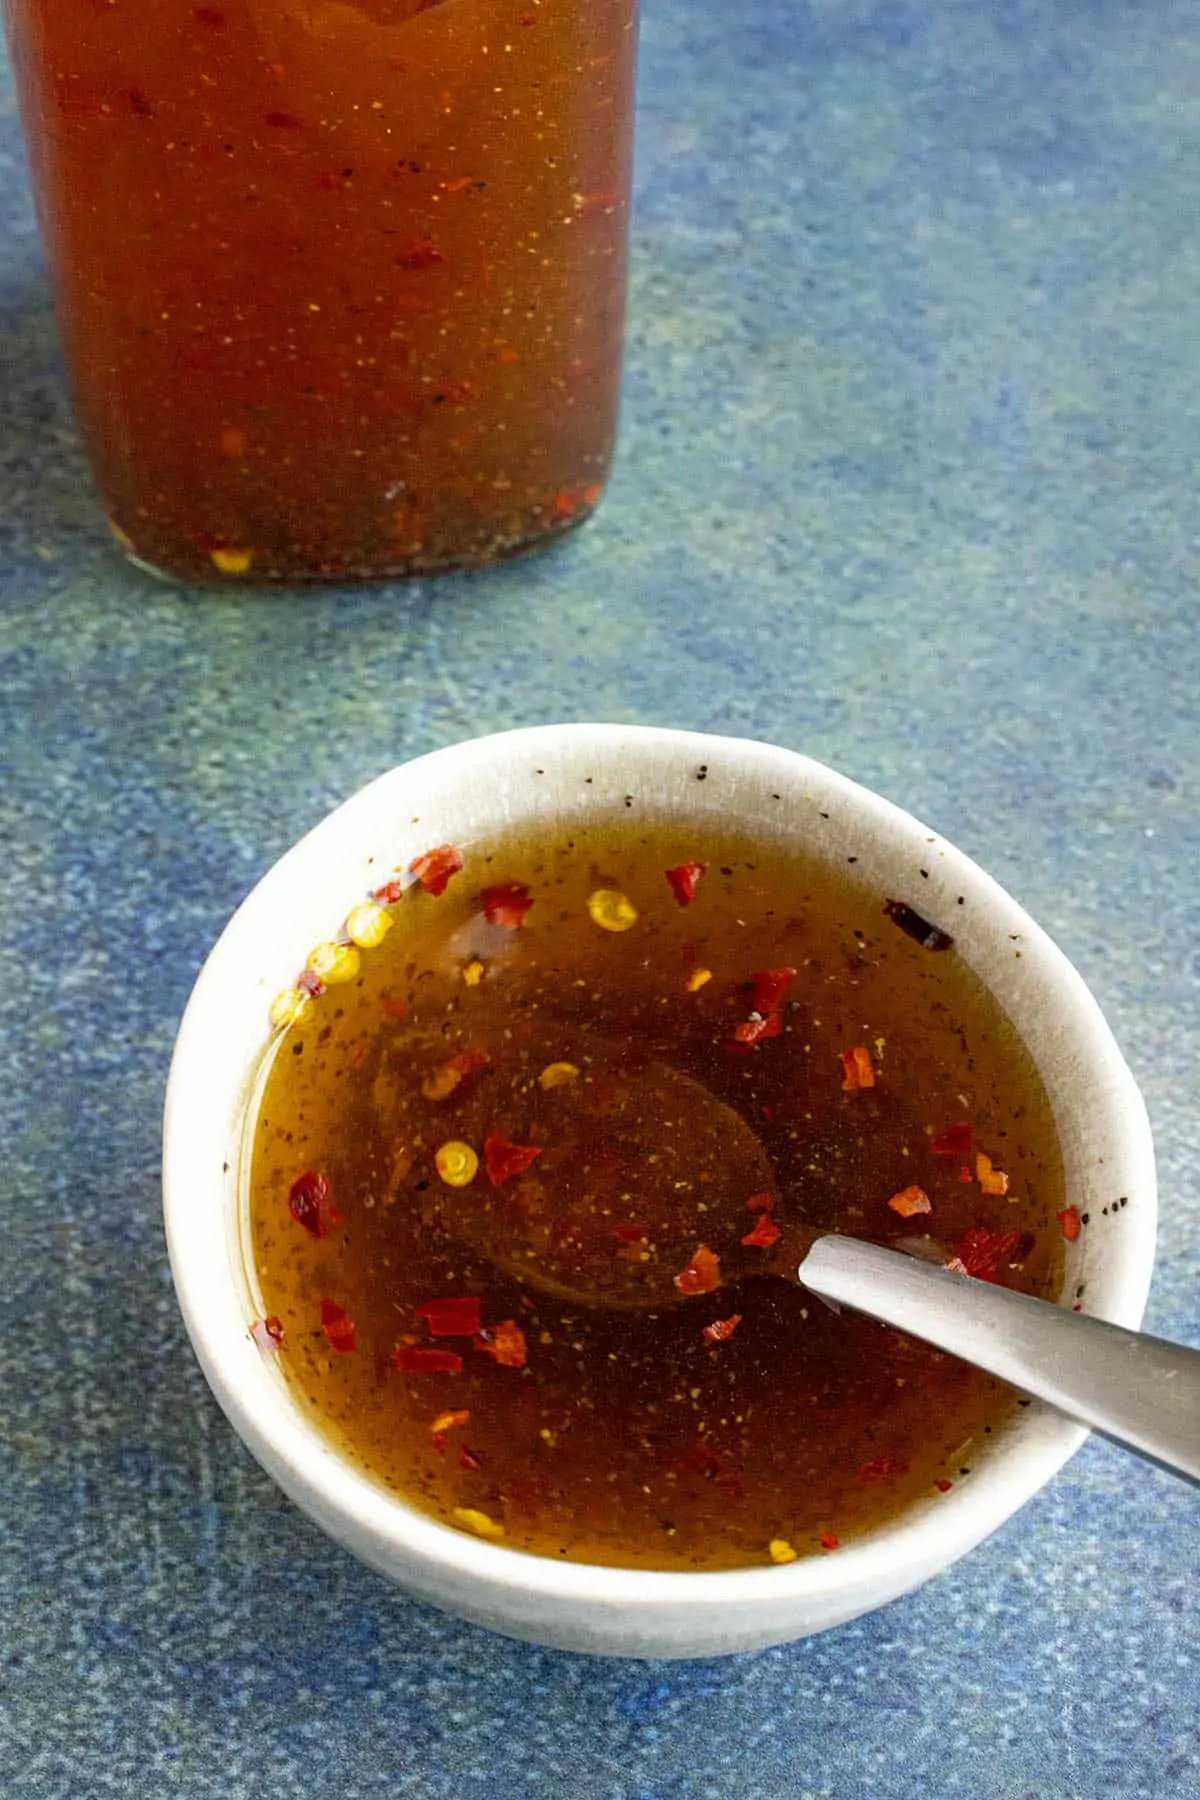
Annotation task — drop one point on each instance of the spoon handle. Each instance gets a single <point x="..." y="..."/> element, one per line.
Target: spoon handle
<point x="1139" y="1390"/>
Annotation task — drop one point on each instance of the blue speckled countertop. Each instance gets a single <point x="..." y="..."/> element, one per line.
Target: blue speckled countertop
<point x="909" y="482"/>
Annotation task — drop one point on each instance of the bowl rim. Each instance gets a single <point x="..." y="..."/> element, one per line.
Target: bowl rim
<point x="382" y="1526"/>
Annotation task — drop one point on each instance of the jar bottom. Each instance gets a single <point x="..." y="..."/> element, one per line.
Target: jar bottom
<point x="212" y="572"/>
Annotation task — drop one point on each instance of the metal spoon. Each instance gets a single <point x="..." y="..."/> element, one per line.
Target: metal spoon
<point x="688" y="1163"/>
<point x="1141" y="1391"/>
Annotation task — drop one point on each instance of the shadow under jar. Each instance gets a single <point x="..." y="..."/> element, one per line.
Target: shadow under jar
<point x="341" y="286"/>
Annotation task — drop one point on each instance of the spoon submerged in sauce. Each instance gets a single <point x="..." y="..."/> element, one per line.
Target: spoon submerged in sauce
<point x="649" y="1192"/>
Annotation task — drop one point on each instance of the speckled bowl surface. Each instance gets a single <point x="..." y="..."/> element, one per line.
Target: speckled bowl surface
<point x="557" y="774"/>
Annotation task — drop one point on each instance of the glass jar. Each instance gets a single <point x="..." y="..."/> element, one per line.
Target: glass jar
<point x="341" y="286"/>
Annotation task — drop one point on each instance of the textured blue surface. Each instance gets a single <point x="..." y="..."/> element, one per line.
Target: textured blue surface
<point x="908" y="482"/>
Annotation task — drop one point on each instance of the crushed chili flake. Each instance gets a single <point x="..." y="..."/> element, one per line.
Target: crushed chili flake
<point x="954" y="1140"/>
<point x="558" y="1074"/>
<point x="338" y="1326"/>
<point x="943" y="1486"/>
<point x="447" y="1421"/>
<point x="506" y="904"/>
<point x="611" y="910"/>
<point x="683" y="879"/>
<point x="434" y="869"/>
<point x="765" y="1233"/>
<point x="306" y="1202"/>
<point x="289" y="1006"/>
<point x="469" y="1459"/>
<point x="449" y="1077"/>
<point x="310" y="983"/>
<point x="991" y="1179"/>
<point x="930" y="937"/>
<point x="764" y="1202"/>
<point x="910" y="1201"/>
<point x="504" y="1160"/>
<point x="887" y="1467"/>
<point x="460" y="1317"/>
<point x="505" y="1344"/>
<point x="753" y="1031"/>
<point x="829" y="1540"/>
<point x="631" y="1234"/>
<point x="456" y="1163"/>
<point x="368" y="924"/>
<point x="860" y="1071"/>
<point x="471" y="1519"/>
<point x="389" y="893"/>
<point x="267" y="1333"/>
<point x="1071" y="1223"/>
<point x="982" y="1250"/>
<point x="334" y="963"/>
<point x="722" y="1329"/>
<point x="394" y="1007"/>
<point x="413" y="1360"/>
<point x="770" y="985"/>
<point x="702" y="1274"/>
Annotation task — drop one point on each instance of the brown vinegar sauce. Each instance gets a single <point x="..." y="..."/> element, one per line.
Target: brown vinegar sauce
<point x="627" y="1438"/>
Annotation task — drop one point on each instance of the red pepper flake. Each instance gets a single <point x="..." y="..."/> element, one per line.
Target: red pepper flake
<point x="631" y="1234"/>
<point x="448" y="1078"/>
<point x="883" y="1468"/>
<point x="267" y="1333"/>
<point x="764" y="1202"/>
<point x="722" y="1329"/>
<point x="954" y="1140"/>
<point x="702" y="1274"/>
<point x="389" y="894"/>
<point x="311" y="984"/>
<point x="461" y="1317"/>
<point x="568" y="501"/>
<point x="505" y="1344"/>
<point x="394" y="1007"/>
<point x="829" y="1540"/>
<point x="282" y="121"/>
<point x="505" y="1160"/>
<point x="426" y="1362"/>
<point x="306" y="1200"/>
<point x="338" y="1326"/>
<point x="943" y="1486"/>
<point x="770" y="985"/>
<point x="910" y="1201"/>
<point x="930" y="937"/>
<point x="860" y="1071"/>
<point x="982" y="1251"/>
<point x="765" y="1233"/>
<point x="506" y="904"/>
<point x="434" y="869"/>
<point x="469" y="1459"/>
<point x="1071" y="1223"/>
<point x="447" y="1421"/>
<point x="753" y="1031"/>
<point x="991" y="1179"/>
<point x="683" y="879"/>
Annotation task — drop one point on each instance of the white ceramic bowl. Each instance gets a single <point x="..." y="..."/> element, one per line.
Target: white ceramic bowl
<point x="561" y="773"/>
